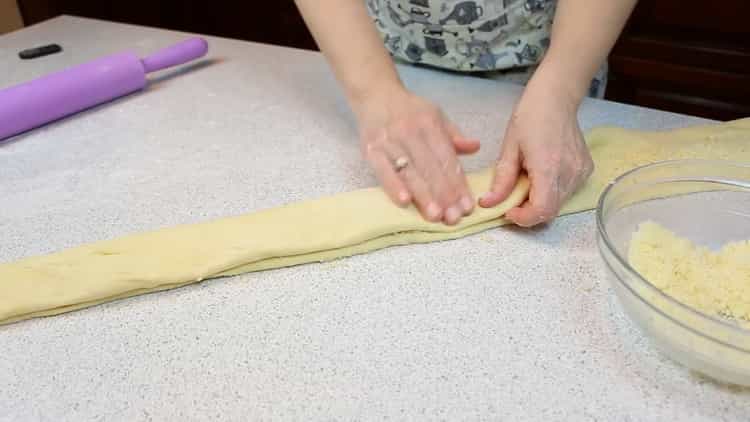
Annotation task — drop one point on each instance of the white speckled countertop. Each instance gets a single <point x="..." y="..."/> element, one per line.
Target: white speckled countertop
<point x="504" y="325"/>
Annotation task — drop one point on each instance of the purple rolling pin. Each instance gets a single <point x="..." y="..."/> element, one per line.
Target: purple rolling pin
<point x="40" y="101"/>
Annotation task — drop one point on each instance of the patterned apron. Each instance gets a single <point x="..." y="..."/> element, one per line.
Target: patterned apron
<point x="500" y="39"/>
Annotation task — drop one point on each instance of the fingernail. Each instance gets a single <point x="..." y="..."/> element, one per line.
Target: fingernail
<point x="452" y="215"/>
<point x="467" y="204"/>
<point x="403" y="196"/>
<point x="433" y="211"/>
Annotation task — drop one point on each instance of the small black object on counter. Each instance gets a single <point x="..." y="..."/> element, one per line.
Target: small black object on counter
<point x="35" y="52"/>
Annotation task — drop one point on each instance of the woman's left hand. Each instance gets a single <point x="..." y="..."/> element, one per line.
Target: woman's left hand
<point x="542" y="139"/>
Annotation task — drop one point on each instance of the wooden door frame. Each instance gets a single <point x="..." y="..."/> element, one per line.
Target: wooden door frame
<point x="10" y="16"/>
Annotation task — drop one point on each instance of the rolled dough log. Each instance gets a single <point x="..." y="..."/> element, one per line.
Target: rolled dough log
<point x="324" y="229"/>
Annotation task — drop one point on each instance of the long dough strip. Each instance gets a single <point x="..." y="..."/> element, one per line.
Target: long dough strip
<point x="324" y="229"/>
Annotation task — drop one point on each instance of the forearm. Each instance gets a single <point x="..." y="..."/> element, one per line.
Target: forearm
<point x="350" y="42"/>
<point x="583" y="34"/>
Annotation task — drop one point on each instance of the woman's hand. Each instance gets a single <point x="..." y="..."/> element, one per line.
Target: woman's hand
<point x="413" y="149"/>
<point x="542" y="139"/>
<point x="407" y="140"/>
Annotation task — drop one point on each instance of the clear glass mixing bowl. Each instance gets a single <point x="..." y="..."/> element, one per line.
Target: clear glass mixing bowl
<point x="705" y="201"/>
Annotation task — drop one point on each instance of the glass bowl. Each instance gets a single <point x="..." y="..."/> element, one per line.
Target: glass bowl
<point x="707" y="202"/>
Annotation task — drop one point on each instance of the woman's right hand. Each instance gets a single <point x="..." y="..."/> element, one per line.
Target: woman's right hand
<point x="413" y="149"/>
<point x="396" y="127"/>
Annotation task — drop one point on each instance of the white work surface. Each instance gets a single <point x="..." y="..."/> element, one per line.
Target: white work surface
<point x="508" y="324"/>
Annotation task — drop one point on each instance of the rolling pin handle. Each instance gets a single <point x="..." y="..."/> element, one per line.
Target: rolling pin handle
<point x="177" y="54"/>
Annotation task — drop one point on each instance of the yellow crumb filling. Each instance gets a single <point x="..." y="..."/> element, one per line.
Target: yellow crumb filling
<point x="716" y="283"/>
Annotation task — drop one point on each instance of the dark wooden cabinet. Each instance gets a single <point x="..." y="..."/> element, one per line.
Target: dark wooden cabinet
<point x="686" y="56"/>
<point x="275" y="21"/>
